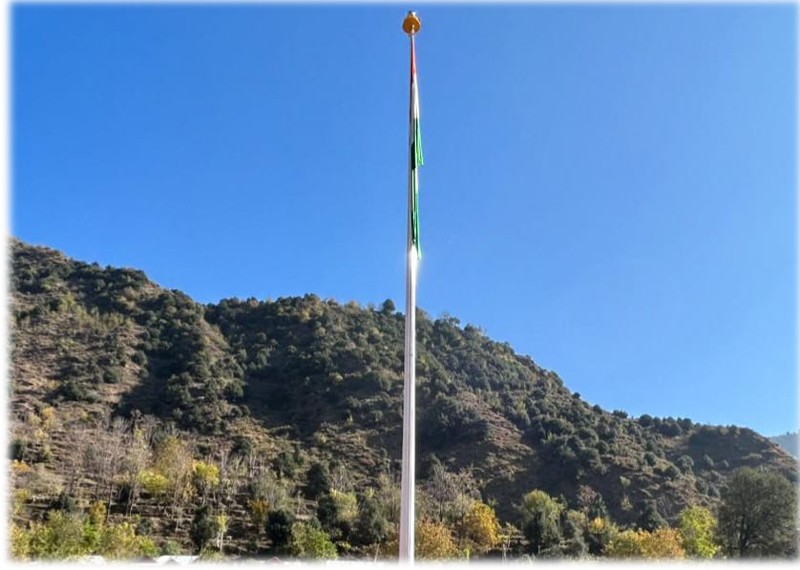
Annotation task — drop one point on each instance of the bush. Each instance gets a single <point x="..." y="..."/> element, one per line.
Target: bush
<point x="685" y="463"/>
<point x="308" y="541"/>
<point x="64" y="503"/>
<point x="73" y="391"/>
<point x="61" y="537"/>
<point x="112" y="376"/>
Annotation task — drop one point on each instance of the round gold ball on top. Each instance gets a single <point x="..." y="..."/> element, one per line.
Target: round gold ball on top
<point x="411" y="24"/>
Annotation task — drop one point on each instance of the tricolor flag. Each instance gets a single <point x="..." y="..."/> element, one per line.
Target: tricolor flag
<point x="411" y="26"/>
<point x="414" y="156"/>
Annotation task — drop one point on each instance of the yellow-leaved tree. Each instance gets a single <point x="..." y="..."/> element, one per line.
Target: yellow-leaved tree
<point x="481" y="528"/>
<point x="697" y="528"/>
<point x="434" y="541"/>
<point x="662" y="543"/>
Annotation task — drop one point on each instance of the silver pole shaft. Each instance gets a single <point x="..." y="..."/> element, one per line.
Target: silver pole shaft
<point x="409" y="377"/>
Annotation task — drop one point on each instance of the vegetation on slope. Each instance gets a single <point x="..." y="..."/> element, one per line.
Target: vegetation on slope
<point x="282" y="386"/>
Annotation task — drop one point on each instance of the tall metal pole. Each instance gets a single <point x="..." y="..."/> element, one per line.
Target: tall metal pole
<point x="410" y="26"/>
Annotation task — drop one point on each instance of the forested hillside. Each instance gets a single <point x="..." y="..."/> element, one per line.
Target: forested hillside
<point x="275" y="426"/>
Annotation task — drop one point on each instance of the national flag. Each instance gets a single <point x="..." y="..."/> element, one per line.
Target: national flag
<point x="415" y="155"/>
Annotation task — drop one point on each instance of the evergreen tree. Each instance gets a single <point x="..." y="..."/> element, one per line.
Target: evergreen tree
<point x="279" y="528"/>
<point x="371" y="527"/>
<point x="757" y="516"/>
<point x="319" y="480"/>
<point x="204" y="527"/>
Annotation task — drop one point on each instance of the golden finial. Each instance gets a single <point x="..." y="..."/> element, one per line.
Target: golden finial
<point x="411" y="24"/>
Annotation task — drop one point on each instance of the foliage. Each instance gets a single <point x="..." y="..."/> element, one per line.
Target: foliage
<point x="371" y="527"/>
<point x="481" y="527"/>
<point x="757" y="515"/>
<point x="599" y="533"/>
<point x="204" y="528"/>
<point x="574" y="525"/>
<point x="205" y="476"/>
<point x="121" y="542"/>
<point x="299" y="380"/>
<point x="279" y="528"/>
<point x="153" y="483"/>
<point x="19" y="543"/>
<point x="447" y="496"/>
<point x="173" y="460"/>
<point x="66" y="536"/>
<point x="308" y="541"/>
<point x="258" y="511"/>
<point x="697" y="527"/>
<point x="649" y="517"/>
<point x="540" y="520"/>
<point x="661" y="543"/>
<point x="60" y="537"/>
<point x="337" y="511"/>
<point x="319" y="480"/>
<point x="433" y="541"/>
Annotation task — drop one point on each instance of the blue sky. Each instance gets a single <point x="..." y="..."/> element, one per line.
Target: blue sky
<point x="610" y="189"/>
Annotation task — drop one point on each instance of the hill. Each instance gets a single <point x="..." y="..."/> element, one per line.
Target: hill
<point x="302" y="380"/>
<point x="790" y="442"/>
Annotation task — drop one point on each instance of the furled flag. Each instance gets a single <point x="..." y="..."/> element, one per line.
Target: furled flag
<point x="415" y="155"/>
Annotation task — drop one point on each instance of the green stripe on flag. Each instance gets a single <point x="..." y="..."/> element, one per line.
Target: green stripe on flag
<point x="416" y="161"/>
<point x="415" y="219"/>
<point x="417" y="144"/>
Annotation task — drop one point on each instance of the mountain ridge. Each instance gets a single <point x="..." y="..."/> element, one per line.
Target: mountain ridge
<point x="303" y="379"/>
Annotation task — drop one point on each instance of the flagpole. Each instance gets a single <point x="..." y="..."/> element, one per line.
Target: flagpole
<point x="411" y="26"/>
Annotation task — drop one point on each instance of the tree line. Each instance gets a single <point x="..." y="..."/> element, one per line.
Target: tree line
<point x="137" y="487"/>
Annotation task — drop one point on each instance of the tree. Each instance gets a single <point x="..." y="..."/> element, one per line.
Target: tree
<point x="649" y="517"/>
<point x="59" y="538"/>
<point x="205" y="478"/>
<point x="757" y="515"/>
<point x="591" y="503"/>
<point x="508" y="534"/>
<point x="480" y="527"/>
<point x="336" y="512"/>
<point x="137" y="457"/>
<point x="319" y="480"/>
<point x="599" y="533"/>
<point x="370" y="527"/>
<point x="264" y="485"/>
<point x="279" y="528"/>
<point x="104" y="455"/>
<point x="697" y="527"/>
<point x="204" y="528"/>
<point x="340" y="479"/>
<point x="434" y="541"/>
<point x="120" y="542"/>
<point x="659" y="544"/>
<point x="573" y="527"/>
<point x="173" y="460"/>
<point x="447" y="496"/>
<point x="540" y="516"/>
<point x="663" y="543"/>
<point x="307" y="541"/>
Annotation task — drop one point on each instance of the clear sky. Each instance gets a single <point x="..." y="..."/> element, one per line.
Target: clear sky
<point x="610" y="189"/>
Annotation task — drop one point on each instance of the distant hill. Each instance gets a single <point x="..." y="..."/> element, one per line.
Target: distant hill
<point x="789" y="441"/>
<point x="300" y="379"/>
